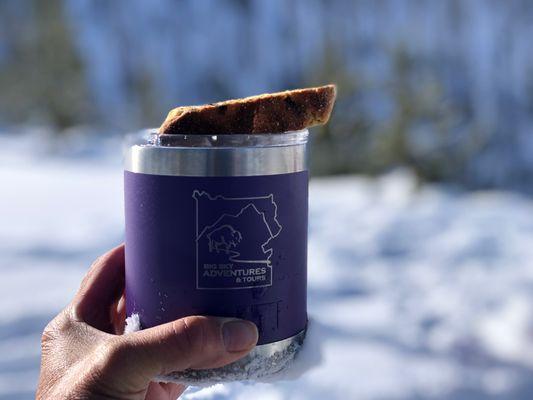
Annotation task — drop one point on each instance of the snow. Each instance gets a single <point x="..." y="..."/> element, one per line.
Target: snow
<point x="133" y="324"/>
<point x="289" y="363"/>
<point x="415" y="291"/>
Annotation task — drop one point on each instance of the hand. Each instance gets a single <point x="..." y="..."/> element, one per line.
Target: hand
<point x="84" y="355"/>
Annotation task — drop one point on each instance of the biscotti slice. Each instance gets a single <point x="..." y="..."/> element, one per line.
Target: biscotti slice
<point x="291" y="110"/>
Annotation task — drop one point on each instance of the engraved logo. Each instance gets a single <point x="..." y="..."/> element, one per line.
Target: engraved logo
<point x="233" y="240"/>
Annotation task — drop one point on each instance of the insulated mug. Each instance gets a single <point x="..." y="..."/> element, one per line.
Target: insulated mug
<point x="217" y="225"/>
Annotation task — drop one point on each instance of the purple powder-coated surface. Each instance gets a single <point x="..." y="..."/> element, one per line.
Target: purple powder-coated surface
<point x="226" y="246"/>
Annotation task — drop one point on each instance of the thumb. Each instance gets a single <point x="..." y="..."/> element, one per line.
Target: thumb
<point x="191" y="342"/>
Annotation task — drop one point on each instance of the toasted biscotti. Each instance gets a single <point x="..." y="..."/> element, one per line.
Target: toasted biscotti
<point x="266" y="113"/>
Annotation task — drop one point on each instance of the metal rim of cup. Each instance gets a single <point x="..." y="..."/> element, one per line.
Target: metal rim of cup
<point x="217" y="155"/>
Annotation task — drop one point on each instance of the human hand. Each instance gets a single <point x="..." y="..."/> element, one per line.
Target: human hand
<point x="84" y="355"/>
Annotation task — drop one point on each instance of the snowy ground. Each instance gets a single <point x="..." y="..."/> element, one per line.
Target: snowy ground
<point x="416" y="293"/>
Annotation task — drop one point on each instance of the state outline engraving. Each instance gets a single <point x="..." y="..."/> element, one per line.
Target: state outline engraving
<point x="196" y="195"/>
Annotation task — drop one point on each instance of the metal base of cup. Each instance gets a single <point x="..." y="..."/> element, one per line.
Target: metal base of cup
<point x="262" y="362"/>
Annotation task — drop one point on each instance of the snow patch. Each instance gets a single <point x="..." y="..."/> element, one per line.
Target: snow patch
<point x="289" y="364"/>
<point x="133" y="324"/>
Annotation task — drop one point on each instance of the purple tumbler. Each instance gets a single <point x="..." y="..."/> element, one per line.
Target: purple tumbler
<point x="217" y="225"/>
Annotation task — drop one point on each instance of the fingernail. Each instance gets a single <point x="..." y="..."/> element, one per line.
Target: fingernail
<point x="239" y="335"/>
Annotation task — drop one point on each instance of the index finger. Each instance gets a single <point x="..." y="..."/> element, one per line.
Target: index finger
<point x="100" y="289"/>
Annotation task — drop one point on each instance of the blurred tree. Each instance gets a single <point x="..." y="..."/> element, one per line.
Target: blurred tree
<point x="41" y="77"/>
<point x="424" y="131"/>
<point x="340" y="146"/>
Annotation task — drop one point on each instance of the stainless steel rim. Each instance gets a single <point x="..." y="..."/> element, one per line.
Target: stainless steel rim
<point x="269" y="349"/>
<point x="245" y="160"/>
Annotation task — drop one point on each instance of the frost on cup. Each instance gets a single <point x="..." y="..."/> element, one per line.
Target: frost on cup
<point x="216" y="224"/>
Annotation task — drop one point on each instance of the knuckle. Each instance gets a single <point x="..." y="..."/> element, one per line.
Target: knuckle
<point x="112" y="352"/>
<point x="56" y="328"/>
<point x="49" y="333"/>
<point x="201" y="341"/>
<point x="193" y="333"/>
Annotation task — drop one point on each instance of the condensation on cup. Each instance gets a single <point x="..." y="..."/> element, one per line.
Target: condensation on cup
<point x="217" y="225"/>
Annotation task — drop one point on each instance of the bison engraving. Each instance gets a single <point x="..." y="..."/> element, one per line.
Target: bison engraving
<point x="223" y="239"/>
